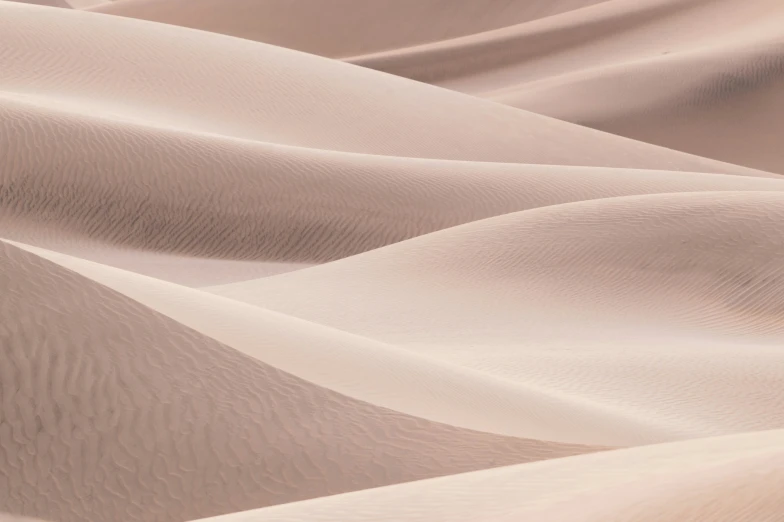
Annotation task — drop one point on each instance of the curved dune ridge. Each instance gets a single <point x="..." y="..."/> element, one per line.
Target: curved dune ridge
<point x="248" y="274"/>
<point x="310" y="26"/>
<point x="702" y="76"/>
<point x="50" y="3"/>
<point x="252" y="92"/>
<point x="4" y="517"/>
<point x="690" y="480"/>
<point x="576" y="299"/>
<point x="127" y="414"/>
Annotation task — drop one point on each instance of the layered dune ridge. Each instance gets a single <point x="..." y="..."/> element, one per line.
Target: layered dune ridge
<point x="291" y="260"/>
<point x="685" y="74"/>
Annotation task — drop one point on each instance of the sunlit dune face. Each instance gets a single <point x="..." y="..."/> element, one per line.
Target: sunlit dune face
<point x="391" y="260"/>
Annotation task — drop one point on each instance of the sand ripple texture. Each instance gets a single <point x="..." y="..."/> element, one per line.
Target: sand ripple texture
<point x="700" y="76"/>
<point x="391" y="261"/>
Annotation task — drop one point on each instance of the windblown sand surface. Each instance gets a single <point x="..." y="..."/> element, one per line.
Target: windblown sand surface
<point x="691" y="75"/>
<point x="379" y="261"/>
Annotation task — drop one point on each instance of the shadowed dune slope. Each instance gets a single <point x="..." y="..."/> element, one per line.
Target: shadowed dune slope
<point x="381" y="261"/>
<point x="304" y="100"/>
<point x="672" y="297"/>
<point x="85" y="4"/>
<point x="702" y="76"/>
<point x="710" y="257"/>
<point x="725" y="479"/>
<point x="106" y="184"/>
<point x="342" y="28"/>
<point x="4" y="517"/>
<point x="50" y="3"/>
<point x="683" y="286"/>
<point x="724" y="103"/>
<point x="113" y="183"/>
<point x="374" y="371"/>
<point x="113" y="412"/>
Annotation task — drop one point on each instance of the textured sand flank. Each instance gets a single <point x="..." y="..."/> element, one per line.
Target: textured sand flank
<point x="239" y="273"/>
<point x="737" y="478"/>
<point x="702" y="76"/>
<point x="50" y="3"/>
<point x="300" y="96"/>
<point x="114" y="411"/>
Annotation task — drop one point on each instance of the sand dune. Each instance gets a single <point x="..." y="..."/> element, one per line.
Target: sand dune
<point x="711" y="100"/>
<point x="688" y="259"/>
<point x="247" y="273"/>
<point x="691" y="481"/>
<point x="85" y="4"/>
<point x="140" y="414"/>
<point x="498" y="307"/>
<point x="652" y="70"/>
<point x="12" y="518"/>
<point x="301" y="95"/>
<point x="374" y="371"/>
<point x="343" y="28"/>
<point x="50" y="3"/>
<point x="599" y="290"/>
<point x="170" y="191"/>
<point x="149" y="146"/>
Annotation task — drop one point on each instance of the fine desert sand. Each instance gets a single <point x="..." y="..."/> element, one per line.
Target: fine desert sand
<point x="686" y="74"/>
<point x="391" y="260"/>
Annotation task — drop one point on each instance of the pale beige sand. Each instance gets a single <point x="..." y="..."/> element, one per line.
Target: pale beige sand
<point x="343" y="28"/>
<point x="4" y="517"/>
<point x="84" y="4"/>
<point x="212" y="145"/>
<point x="255" y="93"/>
<point x="375" y="371"/>
<point x="727" y="479"/>
<point x="702" y="76"/>
<point x="113" y="411"/>
<point x="168" y="191"/>
<point x="667" y="297"/>
<point x="236" y="276"/>
<point x="50" y="3"/>
<point x="675" y="323"/>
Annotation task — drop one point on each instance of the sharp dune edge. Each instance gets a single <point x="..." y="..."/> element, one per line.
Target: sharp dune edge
<point x="291" y="260"/>
<point x="156" y="414"/>
<point x="692" y="75"/>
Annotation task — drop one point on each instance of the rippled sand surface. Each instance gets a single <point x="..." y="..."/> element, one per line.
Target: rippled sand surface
<point x="392" y="260"/>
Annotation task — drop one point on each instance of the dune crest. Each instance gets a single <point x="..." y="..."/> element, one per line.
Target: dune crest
<point x="391" y="260"/>
<point x="599" y="300"/>
<point x="652" y="70"/>
<point x="146" y="414"/>
<point x="50" y="3"/>
<point x="589" y="484"/>
<point x="387" y="115"/>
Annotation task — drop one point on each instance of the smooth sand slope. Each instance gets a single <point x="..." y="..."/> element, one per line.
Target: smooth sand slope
<point x="683" y="299"/>
<point x="113" y="412"/>
<point x="251" y="91"/>
<point x="343" y="28"/>
<point x="107" y="183"/>
<point x="4" y="517"/>
<point x="376" y="372"/>
<point x="702" y="76"/>
<point x="244" y="281"/>
<point x="725" y="479"/>
<point x="84" y="4"/>
<point x="670" y="297"/>
<point x="51" y="3"/>
<point x="135" y="147"/>
<point x="694" y="252"/>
